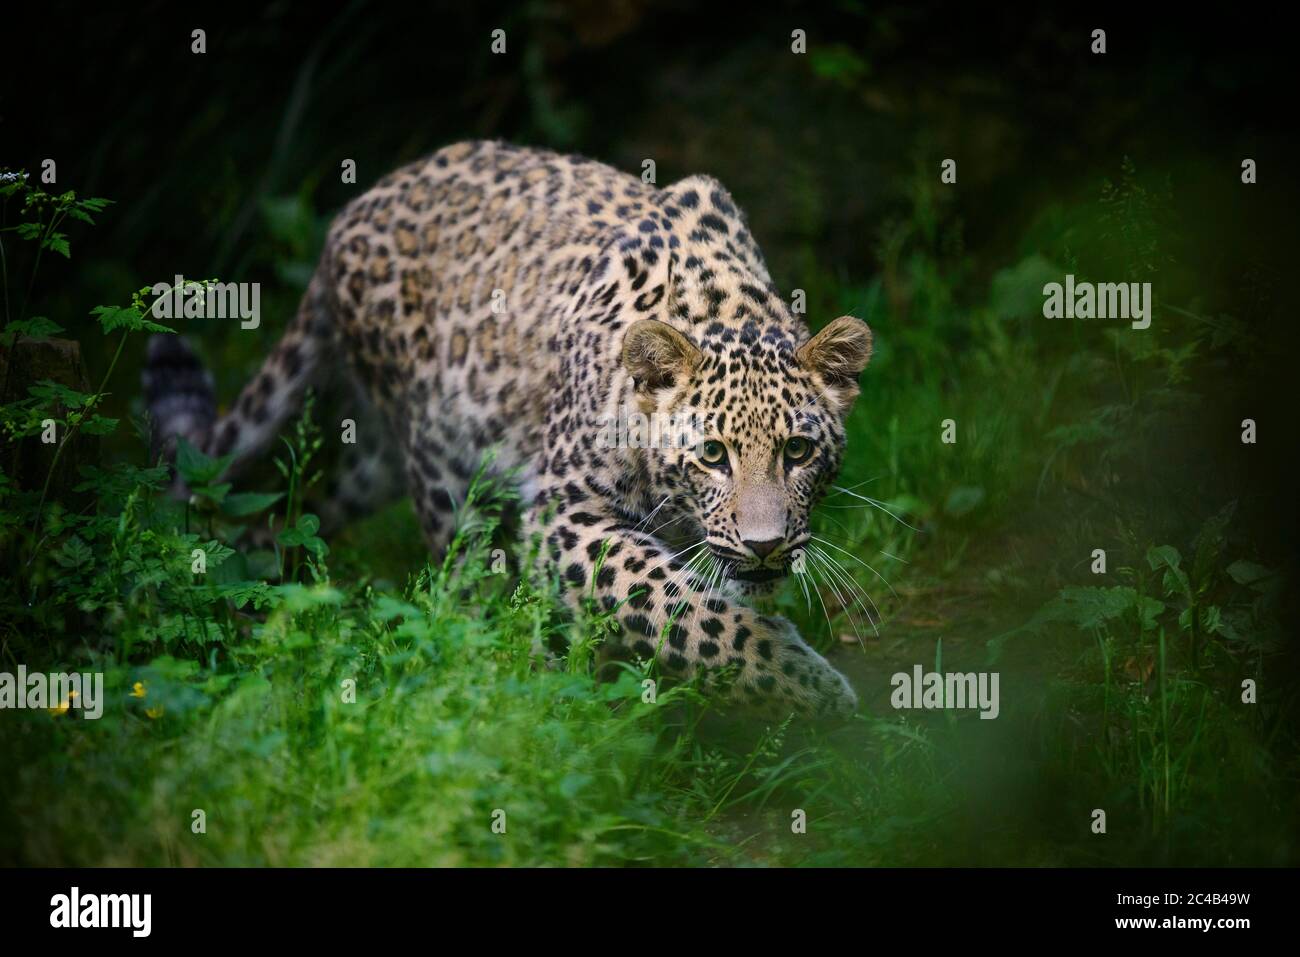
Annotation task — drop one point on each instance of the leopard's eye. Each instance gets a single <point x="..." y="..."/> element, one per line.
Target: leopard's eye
<point x="713" y="453"/>
<point x="797" y="448"/>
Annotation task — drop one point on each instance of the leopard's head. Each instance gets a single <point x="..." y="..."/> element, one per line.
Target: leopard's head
<point x="751" y="433"/>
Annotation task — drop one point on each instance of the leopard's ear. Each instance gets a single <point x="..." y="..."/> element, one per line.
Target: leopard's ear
<point x="838" y="354"/>
<point x="657" y="355"/>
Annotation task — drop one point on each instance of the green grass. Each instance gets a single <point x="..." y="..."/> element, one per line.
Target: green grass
<point x="1120" y="692"/>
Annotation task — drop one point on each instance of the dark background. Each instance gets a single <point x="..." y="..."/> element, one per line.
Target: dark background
<point x="285" y="91"/>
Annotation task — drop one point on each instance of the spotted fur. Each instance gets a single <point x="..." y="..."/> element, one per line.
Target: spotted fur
<point x="492" y="296"/>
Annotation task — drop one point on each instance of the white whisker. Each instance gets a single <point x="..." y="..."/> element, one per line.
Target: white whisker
<point x="839" y="490"/>
<point x="876" y="504"/>
<point x="844" y="605"/>
<point x="651" y="514"/>
<point x="854" y="589"/>
<point x="714" y="579"/>
<point x="807" y="599"/>
<point x="822" y="601"/>
<point x="859" y="561"/>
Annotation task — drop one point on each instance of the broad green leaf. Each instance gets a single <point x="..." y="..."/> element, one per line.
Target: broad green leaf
<point x="196" y="467"/>
<point x="1164" y="556"/>
<point x="249" y="503"/>
<point x="1248" y="573"/>
<point x="213" y="493"/>
<point x="1175" y="579"/>
<point x="99" y="425"/>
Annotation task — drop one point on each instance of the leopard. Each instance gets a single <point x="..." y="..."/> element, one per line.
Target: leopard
<point x="513" y="302"/>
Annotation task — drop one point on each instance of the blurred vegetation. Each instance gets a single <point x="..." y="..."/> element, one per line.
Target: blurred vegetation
<point x="1120" y="691"/>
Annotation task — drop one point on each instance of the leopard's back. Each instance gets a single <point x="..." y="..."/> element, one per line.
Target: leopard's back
<point x="447" y="279"/>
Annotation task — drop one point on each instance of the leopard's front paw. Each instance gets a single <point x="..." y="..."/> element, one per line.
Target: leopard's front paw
<point x="785" y="674"/>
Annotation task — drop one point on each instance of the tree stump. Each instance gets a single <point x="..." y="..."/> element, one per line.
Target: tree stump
<point x="27" y="461"/>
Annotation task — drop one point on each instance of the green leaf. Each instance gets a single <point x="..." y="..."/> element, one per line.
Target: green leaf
<point x="1164" y="556"/>
<point x="1249" y="574"/>
<point x="215" y="494"/>
<point x="217" y="552"/>
<point x="99" y="425"/>
<point x="241" y="593"/>
<point x="118" y="317"/>
<point x="1169" y="558"/>
<point x="74" y="554"/>
<point x="387" y="608"/>
<point x="298" y="598"/>
<point x="49" y="391"/>
<point x="37" y="327"/>
<point x="249" y="503"/>
<point x="59" y="243"/>
<point x="1233" y="624"/>
<point x="1091" y="607"/>
<point x="196" y="467"/>
<point x="304" y="535"/>
<point x="121" y="478"/>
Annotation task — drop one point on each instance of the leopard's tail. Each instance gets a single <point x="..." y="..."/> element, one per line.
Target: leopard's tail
<point x="181" y="403"/>
<point x="178" y="394"/>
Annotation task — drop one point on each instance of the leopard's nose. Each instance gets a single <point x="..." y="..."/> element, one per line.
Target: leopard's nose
<point x="764" y="548"/>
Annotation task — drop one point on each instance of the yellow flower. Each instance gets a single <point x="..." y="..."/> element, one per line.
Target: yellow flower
<point x="61" y="709"/>
<point x="154" y="713"/>
<point x="137" y="690"/>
